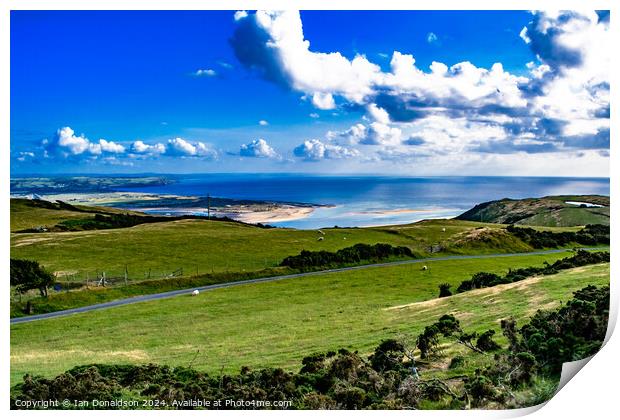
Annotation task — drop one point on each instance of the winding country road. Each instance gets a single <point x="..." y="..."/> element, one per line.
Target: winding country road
<point x="173" y="293"/>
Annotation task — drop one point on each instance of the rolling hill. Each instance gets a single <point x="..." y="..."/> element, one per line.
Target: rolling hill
<point x="554" y="211"/>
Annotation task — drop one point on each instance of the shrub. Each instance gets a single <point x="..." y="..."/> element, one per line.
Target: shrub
<point x="444" y="290"/>
<point x="27" y="275"/>
<point x="581" y="258"/>
<point x="352" y="254"/>
<point x="457" y="362"/>
<point x="485" y="341"/>
<point x="589" y="235"/>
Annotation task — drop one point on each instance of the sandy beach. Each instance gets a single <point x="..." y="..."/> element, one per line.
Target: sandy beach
<point x="248" y="213"/>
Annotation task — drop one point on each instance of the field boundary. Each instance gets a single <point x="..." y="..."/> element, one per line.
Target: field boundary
<point x="180" y="292"/>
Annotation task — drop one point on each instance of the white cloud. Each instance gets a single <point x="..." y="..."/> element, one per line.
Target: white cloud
<point x="323" y="100"/>
<point x="315" y="150"/>
<point x="70" y="144"/>
<point x="205" y="72"/>
<point x="240" y="14"/>
<point x="378" y="114"/>
<point x="313" y="115"/>
<point x="183" y="148"/>
<point x="263" y="122"/>
<point x="180" y="147"/>
<point x="24" y="156"/>
<point x="563" y="100"/>
<point x="66" y="143"/>
<point x="431" y="38"/>
<point x="286" y="57"/>
<point x="574" y="52"/>
<point x="376" y="133"/>
<point x="258" y="148"/>
<point x="111" y="147"/>
<point x="141" y="148"/>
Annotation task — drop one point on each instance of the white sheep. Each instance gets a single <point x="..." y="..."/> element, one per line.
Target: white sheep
<point x="424" y="268"/>
<point x="443" y="229"/>
<point x="195" y="293"/>
<point x="320" y="238"/>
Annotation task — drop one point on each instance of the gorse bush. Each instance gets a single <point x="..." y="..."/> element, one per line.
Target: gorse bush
<point x="573" y="332"/>
<point x="352" y="254"/>
<point x="581" y="258"/>
<point x="589" y="235"/>
<point x="444" y="290"/>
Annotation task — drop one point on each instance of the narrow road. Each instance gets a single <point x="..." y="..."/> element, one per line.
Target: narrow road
<point x="173" y="293"/>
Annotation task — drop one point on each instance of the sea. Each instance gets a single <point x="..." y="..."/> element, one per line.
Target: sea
<point x="373" y="200"/>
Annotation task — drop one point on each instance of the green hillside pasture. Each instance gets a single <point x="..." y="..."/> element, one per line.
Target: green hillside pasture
<point x="25" y="214"/>
<point x="209" y="246"/>
<point x="569" y="216"/>
<point x="277" y="324"/>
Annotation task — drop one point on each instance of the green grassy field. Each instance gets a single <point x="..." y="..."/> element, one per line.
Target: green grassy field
<point x="276" y="324"/>
<point x="209" y="246"/>
<point x="570" y="216"/>
<point x="552" y="211"/>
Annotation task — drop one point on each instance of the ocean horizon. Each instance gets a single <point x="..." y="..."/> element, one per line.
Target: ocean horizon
<point x="363" y="200"/>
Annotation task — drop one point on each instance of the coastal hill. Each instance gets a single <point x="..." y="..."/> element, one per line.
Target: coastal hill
<point x="558" y="211"/>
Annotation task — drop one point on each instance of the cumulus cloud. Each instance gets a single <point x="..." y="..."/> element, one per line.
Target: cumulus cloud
<point x="375" y="133"/>
<point x="176" y="147"/>
<point x="273" y="44"/>
<point x="184" y="148"/>
<point x="65" y="143"/>
<point x="141" y="148"/>
<point x="315" y="150"/>
<point x="562" y="99"/>
<point x="111" y="147"/>
<point x="263" y="122"/>
<point x="259" y="149"/>
<point x="571" y="81"/>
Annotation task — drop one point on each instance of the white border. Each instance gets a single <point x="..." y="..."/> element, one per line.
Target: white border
<point x="592" y="394"/>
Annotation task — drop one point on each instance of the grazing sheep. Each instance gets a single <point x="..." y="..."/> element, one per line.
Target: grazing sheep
<point x="320" y="238"/>
<point x="321" y="232"/>
<point x="195" y="293"/>
<point x="424" y="268"/>
<point x="443" y="229"/>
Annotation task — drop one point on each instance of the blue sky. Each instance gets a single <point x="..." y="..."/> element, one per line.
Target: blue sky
<point x="217" y="91"/>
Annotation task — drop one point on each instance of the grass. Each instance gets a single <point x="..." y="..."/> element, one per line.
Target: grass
<point x="25" y="214"/>
<point x="552" y="211"/>
<point x="570" y="216"/>
<point x="209" y="246"/>
<point x="276" y="324"/>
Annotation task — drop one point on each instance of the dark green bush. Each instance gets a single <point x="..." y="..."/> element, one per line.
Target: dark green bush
<point x="353" y="254"/>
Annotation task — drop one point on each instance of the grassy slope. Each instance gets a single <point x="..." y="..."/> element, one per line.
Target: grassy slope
<point x="207" y="246"/>
<point x="276" y="324"/>
<point x="569" y="216"/>
<point x="546" y="211"/>
<point x="25" y="215"/>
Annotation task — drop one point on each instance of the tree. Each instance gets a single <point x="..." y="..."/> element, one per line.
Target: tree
<point x="27" y="275"/>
